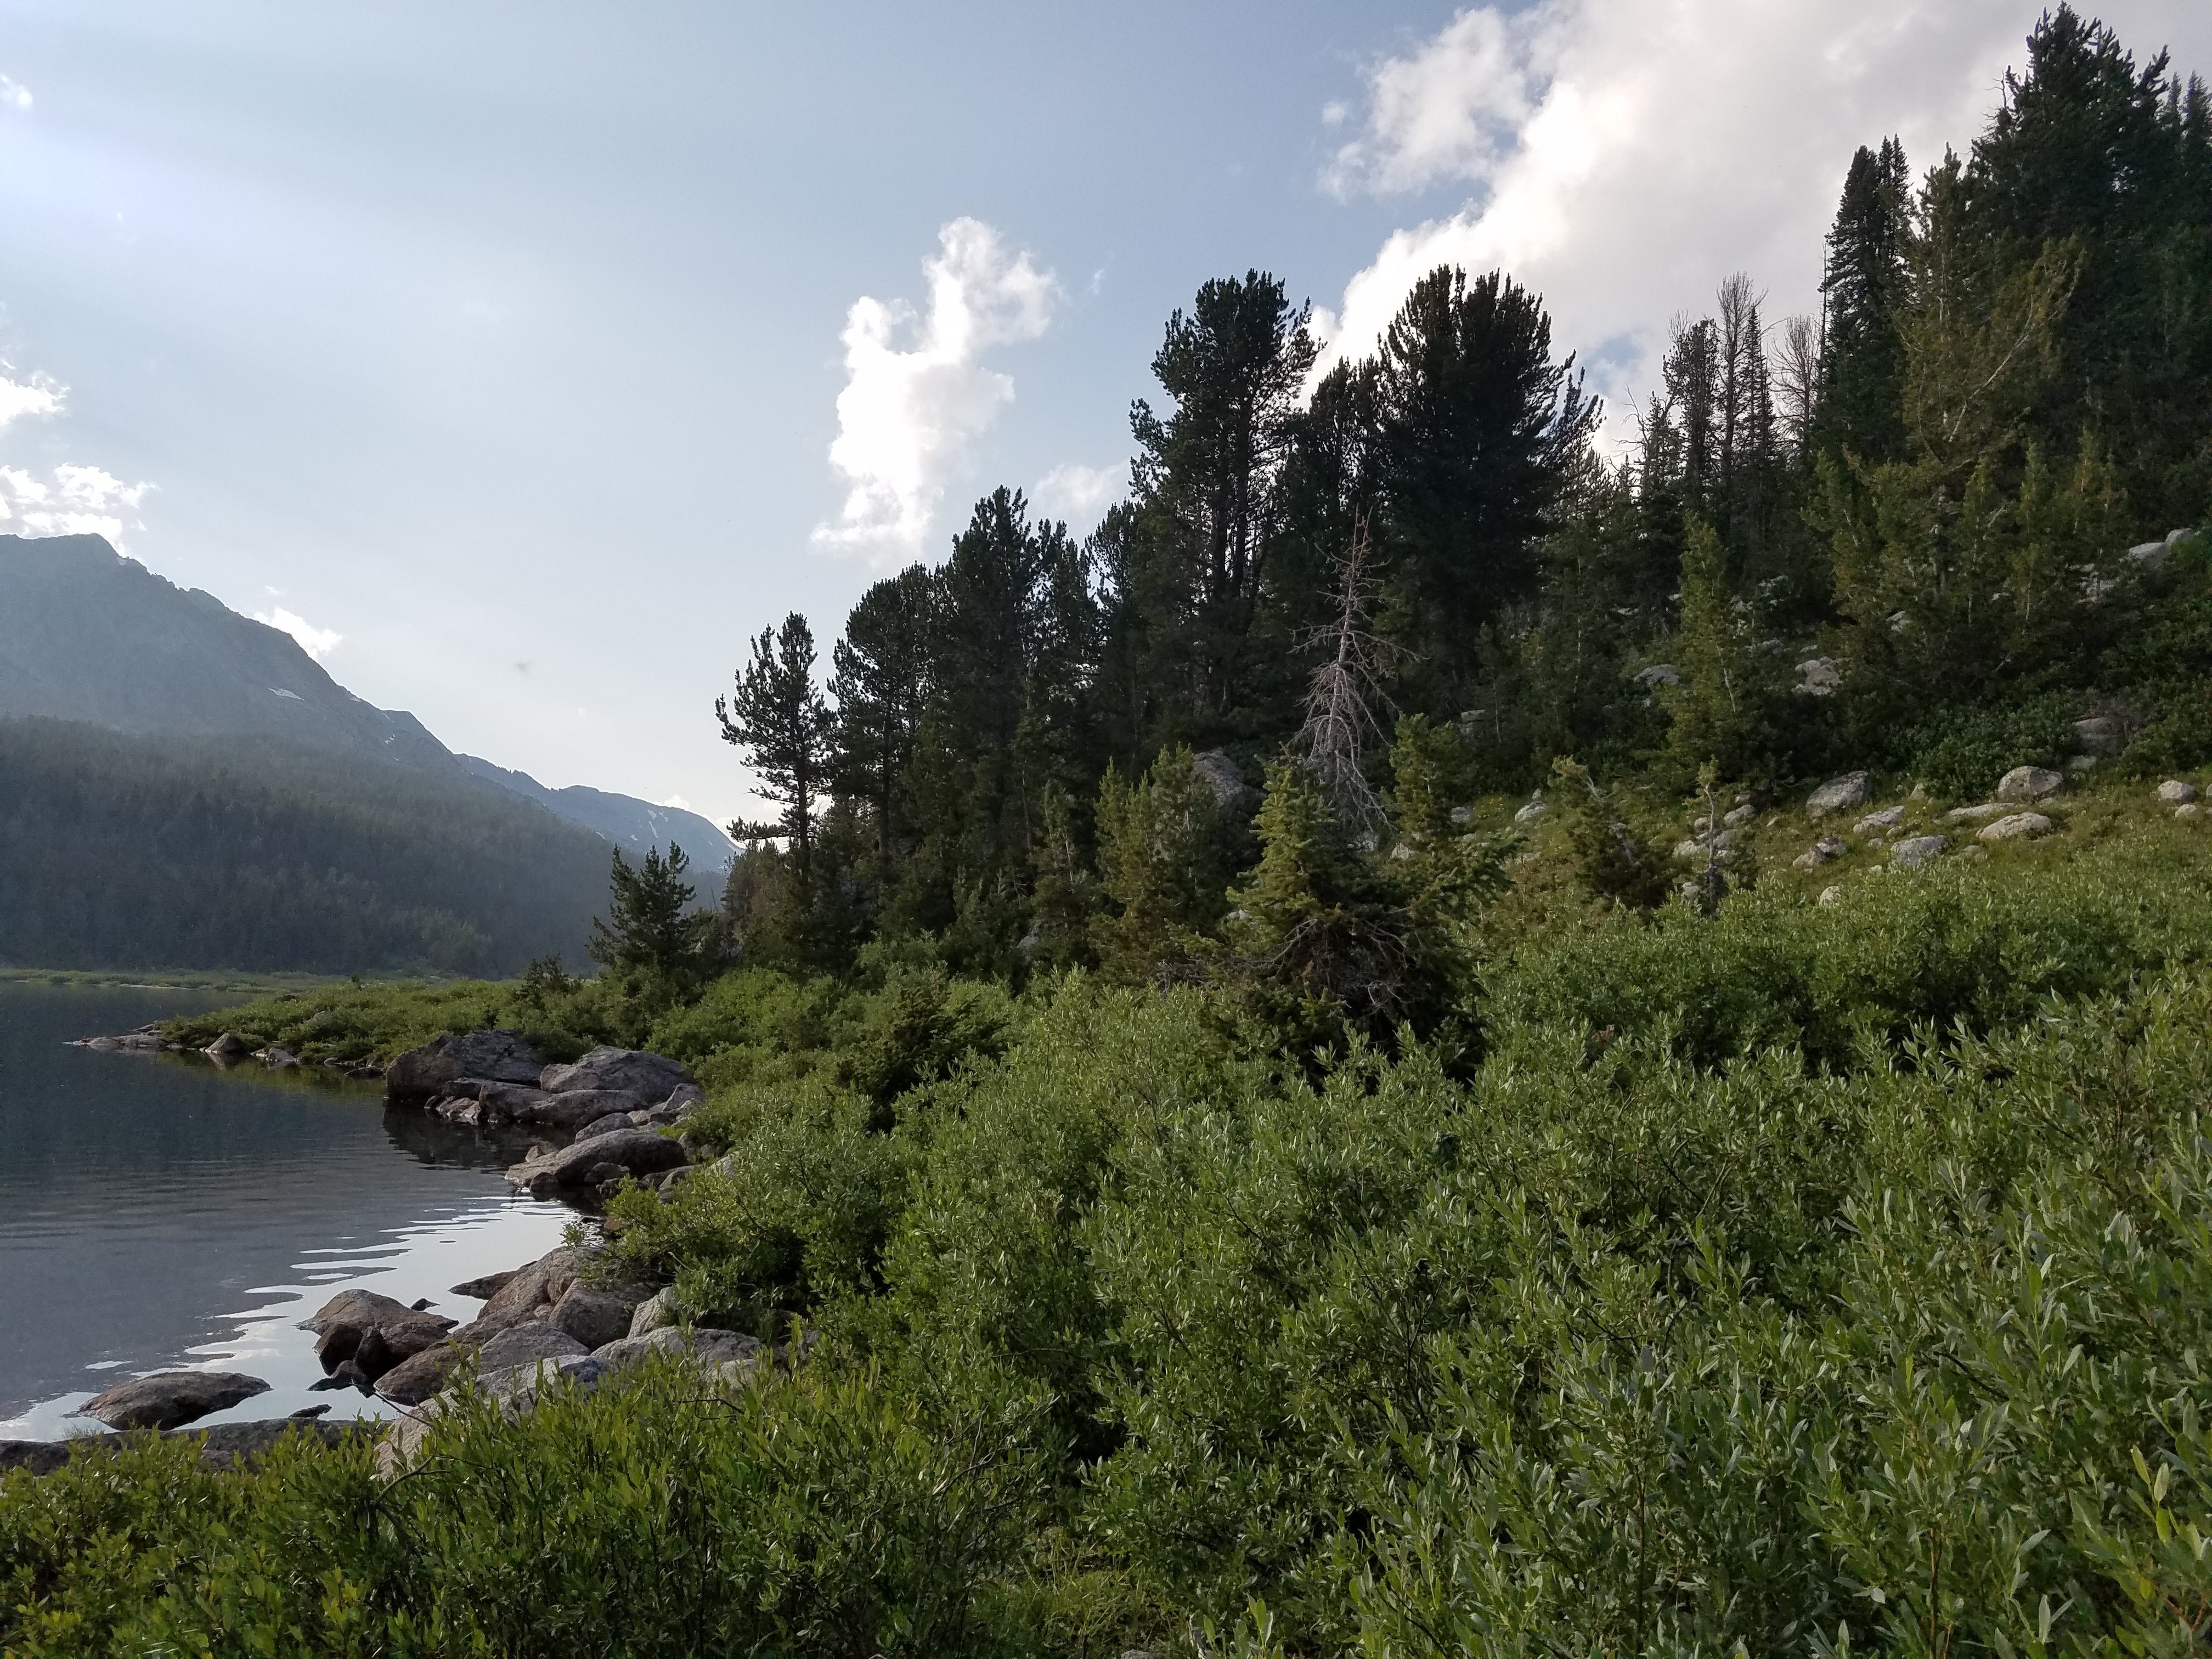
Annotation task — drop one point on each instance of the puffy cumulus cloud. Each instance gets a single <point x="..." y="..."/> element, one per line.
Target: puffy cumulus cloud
<point x="317" y="643"/>
<point x="38" y="395"/>
<point x="909" y="414"/>
<point x="1077" y="493"/>
<point x="1622" y="157"/>
<point x="80" y="501"/>
<point x="1450" y="110"/>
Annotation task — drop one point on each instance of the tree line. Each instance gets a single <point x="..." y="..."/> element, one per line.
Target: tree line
<point x="1416" y="578"/>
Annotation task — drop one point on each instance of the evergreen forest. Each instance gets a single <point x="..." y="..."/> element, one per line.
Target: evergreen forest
<point x="1432" y="1042"/>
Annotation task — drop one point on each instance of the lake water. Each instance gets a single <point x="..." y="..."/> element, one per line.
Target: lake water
<point x="157" y="1214"/>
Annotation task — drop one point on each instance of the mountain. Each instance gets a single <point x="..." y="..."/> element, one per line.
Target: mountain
<point x="636" y="825"/>
<point x="182" y="786"/>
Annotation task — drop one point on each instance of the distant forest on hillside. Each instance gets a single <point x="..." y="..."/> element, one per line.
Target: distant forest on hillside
<point x="119" y="851"/>
<point x="1903" y="534"/>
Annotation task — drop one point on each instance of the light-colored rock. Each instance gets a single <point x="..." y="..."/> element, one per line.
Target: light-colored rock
<point x="1976" y="814"/>
<point x="1827" y="850"/>
<point x="709" y="1347"/>
<point x="1887" y="818"/>
<point x="2080" y="763"/>
<point x="365" y="1310"/>
<point x="228" y="1046"/>
<point x="1831" y="896"/>
<point x="631" y="1071"/>
<point x="1819" y="677"/>
<point x="625" y="1152"/>
<point x="1224" y="781"/>
<point x="2149" y="554"/>
<point x="170" y="1399"/>
<point x="658" y="1312"/>
<point x="1659" y="674"/>
<point x="1531" y="812"/>
<point x="1912" y="854"/>
<point x="524" y="1345"/>
<point x="2189" y="811"/>
<point x="1738" y="817"/>
<point x="2029" y="783"/>
<point x="1838" y="795"/>
<point x="280" y="1059"/>
<point x="597" y="1315"/>
<point x="2017" y="827"/>
<point x="2176" y="791"/>
<point x="1462" y="816"/>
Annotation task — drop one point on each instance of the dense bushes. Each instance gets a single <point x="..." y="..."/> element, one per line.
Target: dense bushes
<point x="1806" y="1277"/>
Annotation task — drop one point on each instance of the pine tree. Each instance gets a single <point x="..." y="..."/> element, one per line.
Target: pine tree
<point x="1479" y="431"/>
<point x="651" y="929"/>
<point x="781" y="721"/>
<point x="1860" y="405"/>
<point x="1724" y="707"/>
<point x="1160" y="863"/>
<point x="880" y="681"/>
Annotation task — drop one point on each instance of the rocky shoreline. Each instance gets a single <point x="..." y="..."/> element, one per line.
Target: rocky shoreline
<point x="618" y="1115"/>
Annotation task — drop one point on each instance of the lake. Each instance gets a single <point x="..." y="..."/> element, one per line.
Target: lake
<point x="156" y="1214"/>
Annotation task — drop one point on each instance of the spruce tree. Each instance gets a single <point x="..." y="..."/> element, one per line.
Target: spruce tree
<point x="1861" y="404"/>
<point x="881" y="678"/>
<point x="779" y="719"/>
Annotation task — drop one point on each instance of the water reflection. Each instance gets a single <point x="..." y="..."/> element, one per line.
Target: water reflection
<point x="154" y="1212"/>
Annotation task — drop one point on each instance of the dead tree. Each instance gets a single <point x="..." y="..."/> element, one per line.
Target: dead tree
<point x="1345" y="694"/>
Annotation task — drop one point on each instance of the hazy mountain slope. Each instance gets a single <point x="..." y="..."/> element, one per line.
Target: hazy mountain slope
<point x="124" y="850"/>
<point x="632" y="824"/>
<point x="87" y="635"/>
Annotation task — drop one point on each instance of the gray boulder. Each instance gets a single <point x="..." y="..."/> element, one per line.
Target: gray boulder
<point x="633" y="1152"/>
<point x="1531" y="812"/>
<point x="2018" y="827"/>
<point x="425" y="1073"/>
<point x="1224" y="781"/>
<point x="2098" y="734"/>
<point x="2176" y="791"/>
<point x="363" y="1308"/>
<point x="1659" y="674"/>
<point x="170" y="1398"/>
<point x="1825" y="850"/>
<point x="634" y="1070"/>
<point x="607" y="1125"/>
<point x="596" y="1315"/>
<point x="571" y="1108"/>
<point x="415" y="1380"/>
<point x="1975" y="814"/>
<point x="1887" y="819"/>
<point x="1838" y="795"/>
<point x="1819" y="677"/>
<point x="657" y="1312"/>
<point x="707" y="1347"/>
<point x="228" y="1046"/>
<point x="1912" y="854"/>
<point x="483" y="1289"/>
<point x="2029" y="783"/>
<point x="525" y="1344"/>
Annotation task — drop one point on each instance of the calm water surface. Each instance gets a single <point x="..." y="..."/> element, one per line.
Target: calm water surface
<point x="157" y="1214"/>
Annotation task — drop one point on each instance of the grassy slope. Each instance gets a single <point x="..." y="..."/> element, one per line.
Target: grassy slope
<point x="1807" y="1267"/>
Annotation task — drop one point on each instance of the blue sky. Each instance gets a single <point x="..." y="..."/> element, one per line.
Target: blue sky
<point x="506" y="343"/>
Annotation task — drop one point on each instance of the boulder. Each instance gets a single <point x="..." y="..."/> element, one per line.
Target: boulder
<point x="1838" y="795"/>
<point x="414" y="1381"/>
<point x="1738" y="817"/>
<point x="657" y="1312"/>
<point x="2018" y="827"/>
<point x="632" y="1069"/>
<point x="1223" y="780"/>
<point x="1975" y="814"/>
<point x="494" y="1101"/>
<point x="2175" y="791"/>
<point x="1824" y="851"/>
<point x="608" y="1125"/>
<point x="1831" y="896"/>
<point x="1887" y="819"/>
<point x="2189" y="811"/>
<point x="280" y="1059"/>
<point x="596" y="1315"/>
<point x="1819" y="677"/>
<point x="1659" y="674"/>
<point x="571" y="1108"/>
<point x="2028" y="783"/>
<point x="363" y="1309"/>
<point x="525" y="1345"/>
<point x="2098" y="734"/>
<point x="629" y="1151"/>
<point x="425" y="1073"/>
<point x="2149" y="554"/>
<point x="1531" y="812"/>
<point x="1910" y="854"/>
<point x="707" y="1347"/>
<point x="484" y="1287"/>
<point x="170" y="1398"/>
<point x="529" y="1293"/>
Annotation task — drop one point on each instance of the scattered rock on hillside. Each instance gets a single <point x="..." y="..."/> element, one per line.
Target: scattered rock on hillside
<point x="170" y="1399"/>
<point x="2191" y="809"/>
<point x="2098" y="734"/>
<point x="2176" y="791"/>
<point x="1224" y="781"/>
<point x="1887" y="818"/>
<point x="1819" y="677"/>
<point x="1912" y="854"/>
<point x="1659" y="674"/>
<point x="2018" y="827"/>
<point x="1838" y="795"/>
<point x="2028" y="783"/>
<point x="1831" y="896"/>
<point x="1824" y="851"/>
<point x="1531" y="812"/>
<point x="1975" y="814"/>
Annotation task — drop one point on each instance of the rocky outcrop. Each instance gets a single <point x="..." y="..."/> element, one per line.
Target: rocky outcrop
<point x="170" y="1399"/>
<point x="634" y="1070"/>
<point x="424" y="1074"/>
<point x="587" y="1163"/>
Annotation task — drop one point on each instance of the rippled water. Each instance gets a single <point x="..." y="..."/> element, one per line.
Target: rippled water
<point x="156" y="1214"/>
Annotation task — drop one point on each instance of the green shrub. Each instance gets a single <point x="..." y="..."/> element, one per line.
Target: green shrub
<point x="1961" y="753"/>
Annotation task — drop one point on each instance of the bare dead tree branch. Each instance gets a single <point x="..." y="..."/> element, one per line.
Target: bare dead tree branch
<point x="1345" y="692"/>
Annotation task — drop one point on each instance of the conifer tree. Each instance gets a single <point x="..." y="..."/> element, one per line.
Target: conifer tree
<point x="1724" y="708"/>
<point x="779" y="719"/>
<point x="1861" y="404"/>
<point x="1160" y="863"/>
<point x="881" y="679"/>
<point x="651" y="929"/>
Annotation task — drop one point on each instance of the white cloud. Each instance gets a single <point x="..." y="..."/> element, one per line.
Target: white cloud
<point x="80" y="501"/>
<point x="907" y="418"/>
<point x="37" y="396"/>
<point x="1623" y="156"/>
<point x="1077" y="493"/>
<point x="14" y="94"/>
<point x="679" y="803"/>
<point x="317" y="643"/>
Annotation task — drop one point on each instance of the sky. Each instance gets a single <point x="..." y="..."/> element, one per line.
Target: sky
<point x="525" y="359"/>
